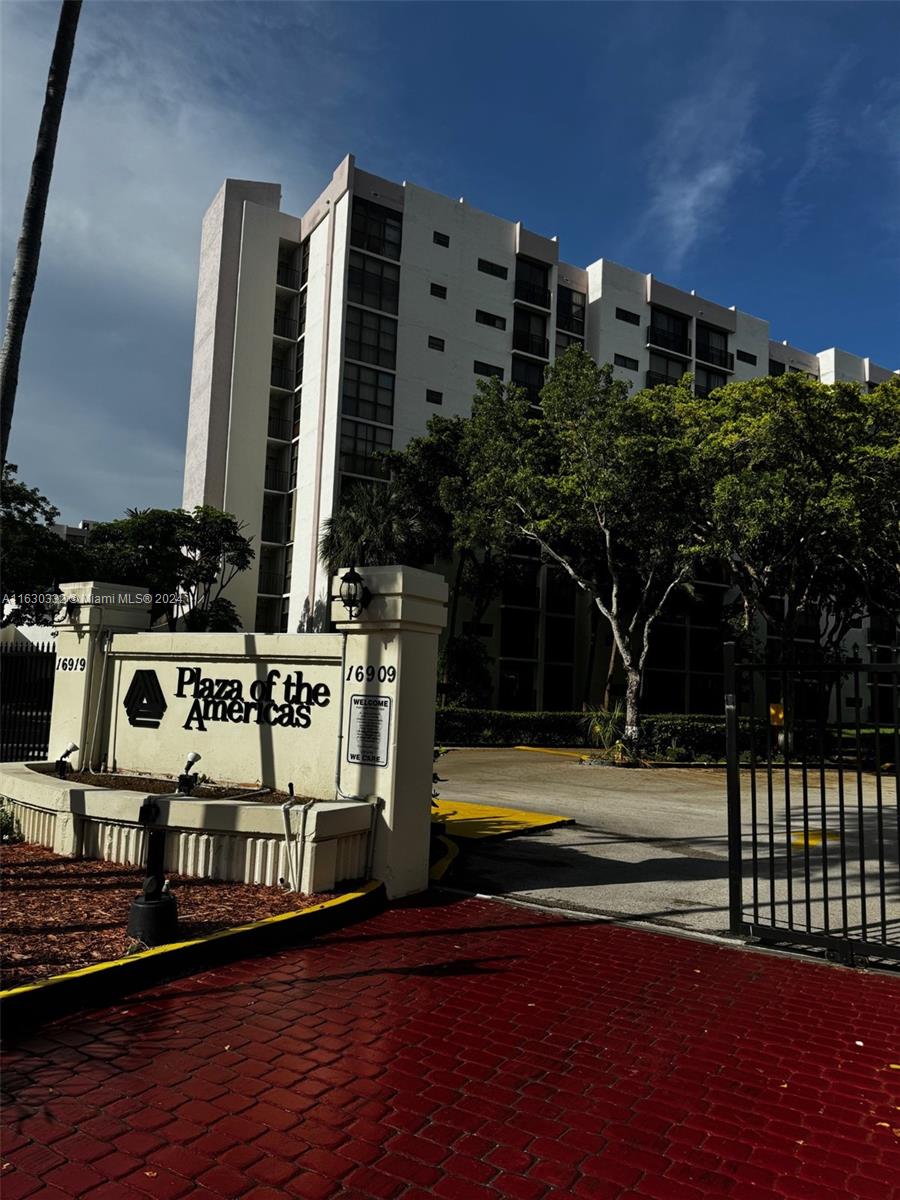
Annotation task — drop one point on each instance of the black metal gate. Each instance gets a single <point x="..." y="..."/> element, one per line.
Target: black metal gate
<point x="26" y="698"/>
<point x="813" y="755"/>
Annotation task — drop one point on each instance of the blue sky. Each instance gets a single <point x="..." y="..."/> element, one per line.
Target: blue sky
<point x="751" y="152"/>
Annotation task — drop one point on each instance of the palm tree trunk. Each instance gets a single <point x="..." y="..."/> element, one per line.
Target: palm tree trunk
<point x="29" y="248"/>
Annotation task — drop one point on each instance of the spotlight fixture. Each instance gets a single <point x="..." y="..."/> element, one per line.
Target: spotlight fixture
<point x="354" y="594"/>
<point x="186" y="781"/>
<point x="62" y="764"/>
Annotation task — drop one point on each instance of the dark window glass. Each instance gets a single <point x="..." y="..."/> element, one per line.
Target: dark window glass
<point x="371" y="338"/>
<point x="622" y="314"/>
<point x="570" y="309"/>
<point x="670" y="369"/>
<point x="746" y="357"/>
<point x="622" y="360"/>
<point x="707" y="381"/>
<point x="375" y="228"/>
<point x="528" y="375"/>
<point x="438" y="289"/>
<point x="518" y="633"/>
<point x="434" y="397"/>
<point x="373" y="283"/>
<point x="441" y="239"/>
<point x="775" y="368"/>
<point x="435" y="343"/>
<point x="304" y="262"/>
<point x="529" y="271"/>
<point x="301" y="314"/>
<point x="368" y="394"/>
<point x="486" y="318"/>
<point x="558" y="687"/>
<point x="565" y="340"/>
<point x="492" y="268"/>
<point x="670" y="330"/>
<point x="560" y="592"/>
<point x="516" y="691"/>
<point x="483" y="368"/>
<point x="360" y="445"/>
<point x="711" y="338"/>
<point x="520" y="583"/>
<point x="530" y="333"/>
<point x="559" y="639"/>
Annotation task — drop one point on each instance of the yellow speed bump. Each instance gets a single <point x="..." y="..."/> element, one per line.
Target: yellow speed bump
<point x="464" y="820"/>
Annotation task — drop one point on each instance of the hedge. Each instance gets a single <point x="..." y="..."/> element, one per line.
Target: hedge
<point x="674" y="736"/>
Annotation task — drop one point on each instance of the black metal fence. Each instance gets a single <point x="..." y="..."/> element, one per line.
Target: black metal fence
<point x="26" y="698"/>
<point x="813" y="755"/>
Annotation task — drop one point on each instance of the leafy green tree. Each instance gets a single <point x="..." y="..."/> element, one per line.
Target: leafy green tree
<point x="607" y="483"/>
<point x="185" y="559"/>
<point x="35" y="559"/>
<point x="805" y="502"/>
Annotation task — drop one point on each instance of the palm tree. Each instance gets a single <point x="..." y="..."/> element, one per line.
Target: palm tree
<point x="372" y="526"/>
<point x="29" y="248"/>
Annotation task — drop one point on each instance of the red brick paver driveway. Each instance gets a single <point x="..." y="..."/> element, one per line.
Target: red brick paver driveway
<point x="469" y="1051"/>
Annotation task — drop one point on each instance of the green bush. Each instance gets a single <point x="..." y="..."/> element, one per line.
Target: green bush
<point x="10" y="830"/>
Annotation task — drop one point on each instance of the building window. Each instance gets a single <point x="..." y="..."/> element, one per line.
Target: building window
<point x="492" y="268"/>
<point x="304" y="262"/>
<point x="486" y="318"/>
<point x="371" y="338"/>
<point x="712" y="346"/>
<point x="434" y="397"/>
<point x="438" y="289"/>
<point x="622" y="360"/>
<point x="435" y="343"/>
<point x="373" y="283"/>
<point x="441" y="239"/>
<point x="707" y="381"/>
<point x="570" y="310"/>
<point x="622" y="314"/>
<point x="564" y="341"/>
<point x="529" y="376"/>
<point x="483" y="368"/>
<point x="775" y="368"/>
<point x="746" y="357"/>
<point x="670" y="330"/>
<point x="530" y="333"/>
<point x="375" y="228"/>
<point x="368" y="394"/>
<point x="664" y="370"/>
<point x="360" y="447"/>
<point x="531" y="282"/>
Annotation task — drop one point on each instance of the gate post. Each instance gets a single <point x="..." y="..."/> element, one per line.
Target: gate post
<point x="92" y="610"/>
<point x="733" y="778"/>
<point x="386" y="740"/>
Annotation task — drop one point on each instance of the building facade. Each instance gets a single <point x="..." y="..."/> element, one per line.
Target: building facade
<point x="325" y="339"/>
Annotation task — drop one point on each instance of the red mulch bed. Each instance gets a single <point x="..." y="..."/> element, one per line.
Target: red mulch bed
<point x="59" y="914"/>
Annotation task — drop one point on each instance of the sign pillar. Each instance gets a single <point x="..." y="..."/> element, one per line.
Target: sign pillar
<point x="93" y="611"/>
<point x="389" y="683"/>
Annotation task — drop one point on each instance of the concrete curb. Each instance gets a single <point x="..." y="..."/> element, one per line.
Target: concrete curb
<point x="103" y="983"/>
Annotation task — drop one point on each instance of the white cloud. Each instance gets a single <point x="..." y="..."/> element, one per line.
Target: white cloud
<point x="701" y="149"/>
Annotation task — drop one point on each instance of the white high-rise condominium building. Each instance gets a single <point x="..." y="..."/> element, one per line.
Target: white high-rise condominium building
<point x="323" y="339"/>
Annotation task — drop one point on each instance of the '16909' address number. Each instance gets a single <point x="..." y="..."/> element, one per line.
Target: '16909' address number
<point x="370" y="674"/>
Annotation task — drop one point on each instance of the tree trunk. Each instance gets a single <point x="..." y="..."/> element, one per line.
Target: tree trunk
<point x="29" y="247"/>
<point x="610" y="671"/>
<point x="632" y="706"/>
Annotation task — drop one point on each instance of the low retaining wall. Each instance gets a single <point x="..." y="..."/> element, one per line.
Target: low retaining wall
<point x="237" y="840"/>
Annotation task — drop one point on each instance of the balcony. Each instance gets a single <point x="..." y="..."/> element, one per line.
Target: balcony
<point x="532" y="293"/>
<point x="570" y="323"/>
<point x="285" y="326"/>
<point x="678" y="343"/>
<point x="531" y="343"/>
<point x="280" y="427"/>
<point x="276" y="480"/>
<point x="282" y="377"/>
<point x="715" y="356"/>
<point x="271" y="583"/>
<point x="654" y="378"/>
<point x="288" y="277"/>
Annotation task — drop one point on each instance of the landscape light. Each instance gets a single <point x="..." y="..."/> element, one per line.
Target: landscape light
<point x="62" y="765"/>
<point x="354" y="594"/>
<point x="186" y="781"/>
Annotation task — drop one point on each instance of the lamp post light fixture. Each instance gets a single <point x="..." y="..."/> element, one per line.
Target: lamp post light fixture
<point x="186" y="781"/>
<point x="354" y="594"/>
<point x="63" y="766"/>
<point x="153" y="917"/>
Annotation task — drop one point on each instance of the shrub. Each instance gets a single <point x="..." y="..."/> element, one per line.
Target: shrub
<point x="10" y="830"/>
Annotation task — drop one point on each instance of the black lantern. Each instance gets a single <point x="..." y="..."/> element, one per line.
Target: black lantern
<point x="354" y="594"/>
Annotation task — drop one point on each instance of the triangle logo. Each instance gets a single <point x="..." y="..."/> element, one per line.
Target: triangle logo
<point x="144" y="701"/>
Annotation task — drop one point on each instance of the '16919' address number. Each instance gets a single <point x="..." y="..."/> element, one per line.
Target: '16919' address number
<point x="71" y="664"/>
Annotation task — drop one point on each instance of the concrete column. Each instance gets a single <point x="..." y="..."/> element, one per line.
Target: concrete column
<point x="93" y="611"/>
<point x="387" y="717"/>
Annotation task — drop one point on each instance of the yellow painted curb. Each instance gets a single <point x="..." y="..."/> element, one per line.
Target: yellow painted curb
<point x="465" y="820"/>
<point x="442" y="866"/>
<point x="110" y="963"/>
<point x="546" y="750"/>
